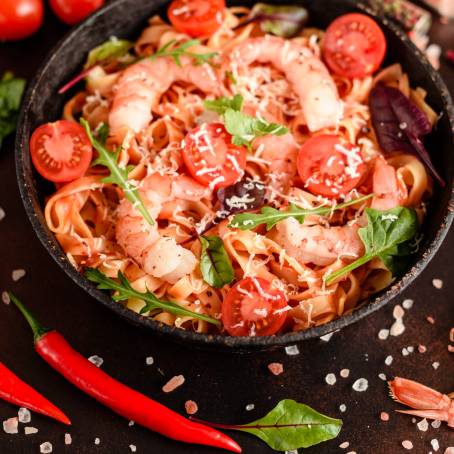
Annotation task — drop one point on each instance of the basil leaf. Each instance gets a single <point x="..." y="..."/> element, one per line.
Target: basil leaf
<point x="220" y="105"/>
<point x="386" y="236"/>
<point x="11" y="91"/>
<point x="280" y="20"/>
<point x="109" y="50"/>
<point x="124" y="291"/>
<point x="215" y="264"/>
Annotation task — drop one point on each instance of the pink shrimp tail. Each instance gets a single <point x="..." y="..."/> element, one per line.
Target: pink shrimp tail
<point x="440" y="415"/>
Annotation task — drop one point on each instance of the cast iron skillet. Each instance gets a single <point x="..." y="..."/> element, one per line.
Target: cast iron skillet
<point x="125" y="18"/>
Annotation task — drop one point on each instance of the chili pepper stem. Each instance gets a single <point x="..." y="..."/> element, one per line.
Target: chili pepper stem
<point x="37" y="328"/>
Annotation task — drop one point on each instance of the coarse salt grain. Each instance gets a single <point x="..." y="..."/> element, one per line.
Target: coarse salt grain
<point x="5" y="298"/>
<point x="250" y="407"/>
<point x="133" y="448"/>
<point x="45" y="448"/>
<point x="149" y="360"/>
<point x="17" y="274"/>
<point x="68" y="439"/>
<point x="423" y="425"/>
<point x="96" y="360"/>
<point x="327" y="337"/>
<point x="407" y="444"/>
<point x="449" y="450"/>
<point x="436" y="424"/>
<point x="398" y="312"/>
<point x="382" y="376"/>
<point x="191" y="407"/>
<point x="131" y="423"/>
<point x="293" y="451"/>
<point x="344" y="373"/>
<point x="10" y="426"/>
<point x="292" y="350"/>
<point x="351" y="452"/>
<point x="407" y="304"/>
<point x="435" y="444"/>
<point x="2" y="214"/>
<point x="97" y="441"/>
<point x="410" y="349"/>
<point x="344" y="445"/>
<point x="384" y="416"/>
<point x="30" y="430"/>
<point x="343" y="408"/>
<point x="405" y="352"/>
<point x="276" y="368"/>
<point x="430" y="319"/>
<point x="383" y="334"/>
<point x="451" y="335"/>
<point x="437" y="283"/>
<point x="24" y="415"/>
<point x="330" y="379"/>
<point x="388" y="360"/>
<point x="173" y="383"/>
<point x="397" y="328"/>
<point x="360" y="385"/>
<point x="422" y="348"/>
<point x="435" y="365"/>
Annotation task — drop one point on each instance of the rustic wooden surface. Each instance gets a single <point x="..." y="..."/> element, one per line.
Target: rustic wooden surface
<point x="222" y="384"/>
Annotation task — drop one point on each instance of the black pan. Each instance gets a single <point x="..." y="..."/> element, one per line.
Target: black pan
<point x="126" y="18"/>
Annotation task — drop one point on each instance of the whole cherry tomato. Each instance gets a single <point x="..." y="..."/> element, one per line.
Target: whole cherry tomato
<point x="20" y="18"/>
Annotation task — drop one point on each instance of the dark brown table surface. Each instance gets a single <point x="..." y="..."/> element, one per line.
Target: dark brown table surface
<point x="221" y="384"/>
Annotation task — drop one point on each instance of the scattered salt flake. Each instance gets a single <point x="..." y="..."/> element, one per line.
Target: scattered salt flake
<point x="96" y="360"/>
<point x="407" y="444"/>
<point x="327" y="337"/>
<point x="437" y="283"/>
<point x="173" y="383"/>
<point x="343" y="408"/>
<point x="384" y="416"/>
<point x="449" y="450"/>
<point x="436" y="424"/>
<point x="344" y="373"/>
<point x="405" y="352"/>
<point x="10" y="426"/>
<point x="5" y="298"/>
<point x="292" y="350"/>
<point x="276" y="368"/>
<point x="430" y="319"/>
<point x="97" y="441"/>
<point x="191" y="407"/>
<point x="435" y="444"/>
<point x="17" y="274"/>
<point x="413" y="420"/>
<point x="45" y="448"/>
<point x="422" y="348"/>
<point x="360" y="385"/>
<point x="330" y="379"/>
<point x="68" y="439"/>
<point x="382" y="376"/>
<point x="131" y="423"/>
<point x="407" y="304"/>
<point x="250" y="407"/>
<point x="383" y="334"/>
<point x="388" y="360"/>
<point x="293" y="451"/>
<point x="423" y="425"/>
<point x="351" y="452"/>
<point x="451" y="335"/>
<point x="24" y="415"/>
<point x="344" y="445"/>
<point x="2" y="214"/>
<point x="397" y="328"/>
<point x="435" y="365"/>
<point x="149" y="360"/>
<point x="30" y="430"/>
<point x="133" y="448"/>
<point x="410" y="349"/>
<point x="398" y="312"/>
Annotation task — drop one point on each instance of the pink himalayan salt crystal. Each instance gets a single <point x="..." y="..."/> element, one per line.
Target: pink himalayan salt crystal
<point x="276" y="368"/>
<point x="173" y="384"/>
<point x="407" y="444"/>
<point x="422" y="348"/>
<point x="449" y="450"/>
<point x="191" y="407"/>
<point x="384" y="416"/>
<point x="430" y="319"/>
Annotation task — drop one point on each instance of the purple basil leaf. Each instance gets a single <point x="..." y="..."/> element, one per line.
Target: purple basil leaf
<point x="400" y="125"/>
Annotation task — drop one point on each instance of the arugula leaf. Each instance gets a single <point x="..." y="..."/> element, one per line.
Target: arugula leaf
<point x="123" y="291"/>
<point x="215" y="264"/>
<point x="110" y="49"/>
<point x="289" y="426"/>
<point x="11" y="91"/>
<point x="222" y="104"/>
<point x="387" y="236"/>
<point x="118" y="175"/>
<point x="103" y="133"/>
<point x="271" y="216"/>
<point x="181" y="51"/>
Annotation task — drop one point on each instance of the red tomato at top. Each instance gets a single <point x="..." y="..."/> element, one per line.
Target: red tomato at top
<point x="211" y="158"/>
<point x="252" y="307"/>
<point x="20" y="18"/>
<point x="61" y="151"/>
<point x="329" y="167"/>
<point x="197" y="17"/>
<point x="354" y="46"/>
<point x="72" y="12"/>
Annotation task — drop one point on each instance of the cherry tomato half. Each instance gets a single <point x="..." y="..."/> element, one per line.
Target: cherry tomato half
<point x="197" y="17"/>
<point x="329" y="167"/>
<point x="211" y="158"/>
<point x="72" y="12"/>
<point x="20" y="18"/>
<point x="251" y="307"/>
<point x="354" y="46"/>
<point x="61" y="151"/>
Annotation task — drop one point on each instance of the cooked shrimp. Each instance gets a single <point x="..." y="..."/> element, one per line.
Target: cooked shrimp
<point x="308" y="75"/>
<point x="158" y="256"/>
<point x="390" y="191"/>
<point x="141" y="86"/>
<point x="317" y="244"/>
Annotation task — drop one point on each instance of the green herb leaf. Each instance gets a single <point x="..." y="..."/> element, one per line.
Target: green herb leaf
<point x="123" y="291"/>
<point x="222" y="104"/>
<point x="280" y="20"/>
<point x="109" y="50"/>
<point x="11" y="91"/>
<point x="103" y="133"/>
<point x="118" y="175"/>
<point x="271" y="216"/>
<point x="386" y="236"/>
<point x="215" y="263"/>
<point x="181" y="51"/>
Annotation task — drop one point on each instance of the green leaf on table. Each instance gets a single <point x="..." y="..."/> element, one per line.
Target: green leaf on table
<point x="215" y="263"/>
<point x="11" y="91"/>
<point x="123" y="291"/>
<point x="109" y="50"/>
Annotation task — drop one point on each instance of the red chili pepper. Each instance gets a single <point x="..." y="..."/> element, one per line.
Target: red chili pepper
<point x="54" y="349"/>
<point x="17" y="392"/>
